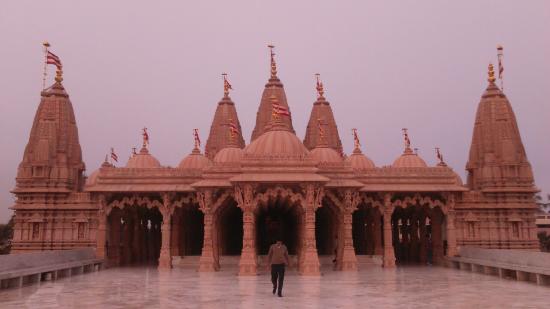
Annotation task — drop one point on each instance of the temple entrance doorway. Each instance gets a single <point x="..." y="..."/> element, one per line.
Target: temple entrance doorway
<point x="134" y="235"/>
<point x="367" y="230"/>
<point x="187" y="231"/>
<point x="417" y="234"/>
<point x="277" y="219"/>
<point x="229" y="232"/>
<point x="327" y="233"/>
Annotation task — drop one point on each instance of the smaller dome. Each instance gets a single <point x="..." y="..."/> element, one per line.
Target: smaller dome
<point x="409" y="159"/>
<point x="195" y="160"/>
<point x="143" y="160"/>
<point x="359" y="161"/>
<point x="92" y="179"/>
<point x="277" y="142"/>
<point x="325" y="154"/>
<point x="230" y="154"/>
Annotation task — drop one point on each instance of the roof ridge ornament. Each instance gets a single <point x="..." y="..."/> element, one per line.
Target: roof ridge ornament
<point x="320" y="88"/>
<point x="356" y="142"/>
<point x="439" y="157"/>
<point x="273" y="64"/>
<point x="226" y="86"/>
<point x="407" y="141"/>
<point x="145" y="136"/>
<point x="197" y="141"/>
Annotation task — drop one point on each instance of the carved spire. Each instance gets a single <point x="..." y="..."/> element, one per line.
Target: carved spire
<point x="53" y="158"/>
<point x="322" y="110"/>
<point x="497" y="156"/>
<point x="274" y="87"/>
<point x="220" y="131"/>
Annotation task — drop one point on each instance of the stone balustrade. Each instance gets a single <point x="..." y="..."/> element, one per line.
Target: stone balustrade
<point x="20" y="269"/>
<point x="521" y="265"/>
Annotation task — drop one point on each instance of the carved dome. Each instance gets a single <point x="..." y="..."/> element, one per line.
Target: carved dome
<point x="359" y="161"/>
<point x="324" y="154"/>
<point x="143" y="159"/>
<point x="409" y="159"/>
<point x="92" y="179"/>
<point x="195" y="160"/>
<point x="277" y="142"/>
<point x="229" y="154"/>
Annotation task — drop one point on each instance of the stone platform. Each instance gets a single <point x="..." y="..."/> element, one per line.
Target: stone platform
<point x="375" y="287"/>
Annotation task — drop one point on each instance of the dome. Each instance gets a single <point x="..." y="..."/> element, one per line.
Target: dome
<point x="409" y="159"/>
<point x="278" y="143"/>
<point x="143" y="160"/>
<point x="229" y="154"/>
<point x="324" y="154"/>
<point x="359" y="161"/>
<point x="195" y="160"/>
<point x="92" y="179"/>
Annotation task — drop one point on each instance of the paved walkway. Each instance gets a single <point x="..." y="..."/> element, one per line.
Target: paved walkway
<point x="406" y="287"/>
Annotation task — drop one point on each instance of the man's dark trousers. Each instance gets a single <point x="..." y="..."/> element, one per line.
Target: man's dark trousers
<point x="278" y="272"/>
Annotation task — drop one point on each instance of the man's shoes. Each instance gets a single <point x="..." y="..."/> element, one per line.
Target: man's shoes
<point x="274" y="289"/>
<point x="280" y="295"/>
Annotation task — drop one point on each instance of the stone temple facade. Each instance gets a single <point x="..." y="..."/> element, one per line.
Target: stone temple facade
<point x="236" y="199"/>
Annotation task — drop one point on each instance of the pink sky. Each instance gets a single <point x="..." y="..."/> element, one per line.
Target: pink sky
<point x="385" y="65"/>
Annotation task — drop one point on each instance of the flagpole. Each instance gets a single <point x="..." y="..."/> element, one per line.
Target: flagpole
<point x="46" y="45"/>
<point x="500" y="55"/>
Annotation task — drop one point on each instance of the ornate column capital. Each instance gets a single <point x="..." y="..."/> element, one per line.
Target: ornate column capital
<point x="388" y="205"/>
<point x="351" y="200"/>
<point x="314" y="194"/>
<point x="244" y="196"/>
<point x="204" y="197"/>
<point x="167" y="208"/>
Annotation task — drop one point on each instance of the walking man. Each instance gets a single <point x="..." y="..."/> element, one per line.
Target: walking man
<point x="278" y="258"/>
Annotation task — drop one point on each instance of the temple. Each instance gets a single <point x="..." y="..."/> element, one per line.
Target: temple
<point x="234" y="199"/>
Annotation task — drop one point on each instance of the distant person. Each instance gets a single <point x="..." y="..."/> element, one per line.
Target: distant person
<point x="278" y="258"/>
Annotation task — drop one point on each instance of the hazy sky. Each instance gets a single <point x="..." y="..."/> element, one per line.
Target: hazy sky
<point x="385" y="65"/>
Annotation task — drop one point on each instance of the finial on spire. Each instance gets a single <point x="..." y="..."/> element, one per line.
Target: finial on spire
<point x="491" y="78"/>
<point x="406" y="139"/>
<point x="356" y="142"/>
<point x="145" y="137"/>
<point x="226" y="86"/>
<point x="197" y="139"/>
<point x="134" y="152"/>
<point x="273" y="64"/>
<point x="320" y="88"/>
<point x="439" y="157"/>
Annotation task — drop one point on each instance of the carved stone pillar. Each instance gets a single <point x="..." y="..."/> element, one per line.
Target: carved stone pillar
<point x="101" y="238"/>
<point x="245" y="200"/>
<point x="389" y="255"/>
<point x="437" y="239"/>
<point x="349" y="260"/>
<point x="310" y="262"/>
<point x="247" y="263"/>
<point x="377" y="235"/>
<point x="207" y="263"/>
<point x="451" y="236"/>
<point x="165" y="258"/>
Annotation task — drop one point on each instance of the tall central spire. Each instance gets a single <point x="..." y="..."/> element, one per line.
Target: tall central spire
<point x="274" y="87"/>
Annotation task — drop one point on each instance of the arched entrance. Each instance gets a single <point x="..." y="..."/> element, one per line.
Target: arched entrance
<point x="329" y="236"/>
<point x="277" y="218"/>
<point x="187" y="231"/>
<point x="417" y="234"/>
<point x="229" y="234"/>
<point x="134" y="235"/>
<point x="367" y="229"/>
